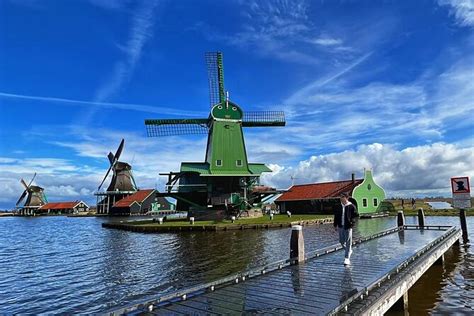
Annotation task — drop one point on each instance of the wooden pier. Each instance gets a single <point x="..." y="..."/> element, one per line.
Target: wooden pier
<point x="383" y="268"/>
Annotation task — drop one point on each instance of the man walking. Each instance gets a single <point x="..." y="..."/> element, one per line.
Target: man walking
<point x="344" y="217"/>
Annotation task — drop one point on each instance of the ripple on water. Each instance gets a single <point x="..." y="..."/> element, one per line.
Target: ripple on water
<point x="66" y="265"/>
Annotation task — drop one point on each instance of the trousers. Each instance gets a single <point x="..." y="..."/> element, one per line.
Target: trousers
<point x="345" y="238"/>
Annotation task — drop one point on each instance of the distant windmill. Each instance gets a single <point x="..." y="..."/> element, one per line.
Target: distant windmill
<point x="121" y="184"/>
<point x="35" y="197"/>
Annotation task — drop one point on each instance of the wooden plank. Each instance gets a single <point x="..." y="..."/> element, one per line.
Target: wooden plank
<point x="258" y="299"/>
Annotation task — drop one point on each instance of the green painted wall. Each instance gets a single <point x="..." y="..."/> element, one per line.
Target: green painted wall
<point x="372" y="193"/>
<point x="226" y="141"/>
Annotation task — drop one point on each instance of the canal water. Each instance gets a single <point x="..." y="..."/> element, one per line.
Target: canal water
<point x="71" y="265"/>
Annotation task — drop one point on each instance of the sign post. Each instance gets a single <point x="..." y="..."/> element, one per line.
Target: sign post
<point x="461" y="200"/>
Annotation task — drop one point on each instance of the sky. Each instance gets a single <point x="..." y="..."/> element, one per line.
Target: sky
<point x="383" y="85"/>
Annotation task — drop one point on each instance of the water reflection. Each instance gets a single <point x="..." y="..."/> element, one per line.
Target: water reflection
<point x="74" y="265"/>
<point x="401" y="236"/>
<point x="347" y="285"/>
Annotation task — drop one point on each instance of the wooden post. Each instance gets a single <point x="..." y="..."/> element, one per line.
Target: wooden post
<point x="421" y="217"/>
<point x="400" y="219"/>
<point x="462" y="217"/>
<point x="401" y="304"/>
<point x="297" y="244"/>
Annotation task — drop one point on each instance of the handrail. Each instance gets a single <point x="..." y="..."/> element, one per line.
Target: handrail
<point x="395" y="271"/>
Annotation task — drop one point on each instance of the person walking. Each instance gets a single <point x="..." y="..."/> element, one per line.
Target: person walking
<point x="344" y="218"/>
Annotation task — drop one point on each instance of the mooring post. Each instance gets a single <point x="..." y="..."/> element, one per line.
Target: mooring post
<point x="297" y="244"/>
<point x="421" y="217"/>
<point x="462" y="217"/>
<point x="191" y="220"/>
<point x="400" y="219"/>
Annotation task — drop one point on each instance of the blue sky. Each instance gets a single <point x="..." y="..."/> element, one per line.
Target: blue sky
<point x="387" y="85"/>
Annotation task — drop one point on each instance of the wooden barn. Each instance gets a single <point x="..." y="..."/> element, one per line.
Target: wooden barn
<point x="140" y="202"/>
<point x="315" y="198"/>
<point x="322" y="198"/>
<point x="73" y="207"/>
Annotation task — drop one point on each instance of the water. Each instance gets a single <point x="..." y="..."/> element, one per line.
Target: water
<point x="66" y="265"/>
<point x="440" y="205"/>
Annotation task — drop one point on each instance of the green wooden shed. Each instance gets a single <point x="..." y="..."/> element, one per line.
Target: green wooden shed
<point x="369" y="195"/>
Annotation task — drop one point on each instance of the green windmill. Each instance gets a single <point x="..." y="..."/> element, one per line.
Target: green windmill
<point x="226" y="183"/>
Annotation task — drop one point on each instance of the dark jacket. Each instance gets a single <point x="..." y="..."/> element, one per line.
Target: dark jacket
<point x="349" y="214"/>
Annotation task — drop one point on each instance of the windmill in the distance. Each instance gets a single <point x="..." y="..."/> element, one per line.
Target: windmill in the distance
<point x="35" y="198"/>
<point x="121" y="185"/>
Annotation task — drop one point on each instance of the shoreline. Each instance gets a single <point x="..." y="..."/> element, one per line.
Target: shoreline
<point x="182" y="226"/>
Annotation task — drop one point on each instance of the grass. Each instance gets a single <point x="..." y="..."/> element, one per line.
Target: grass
<point x="277" y="219"/>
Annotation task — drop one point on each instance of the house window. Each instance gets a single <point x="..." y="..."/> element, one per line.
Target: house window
<point x="219" y="162"/>
<point x="376" y="202"/>
<point x="364" y="202"/>
<point x="239" y="163"/>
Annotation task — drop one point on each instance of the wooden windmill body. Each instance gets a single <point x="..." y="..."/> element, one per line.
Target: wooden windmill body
<point x="35" y="198"/>
<point x="121" y="185"/>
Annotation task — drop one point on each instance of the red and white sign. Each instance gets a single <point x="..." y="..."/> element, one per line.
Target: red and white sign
<point x="461" y="192"/>
<point x="460" y="185"/>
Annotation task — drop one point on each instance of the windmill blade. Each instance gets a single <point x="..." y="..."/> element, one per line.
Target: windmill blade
<point x="215" y="75"/>
<point x="119" y="150"/>
<point x="174" y="127"/>
<point x="111" y="158"/>
<point x="24" y="184"/>
<point x="34" y="176"/>
<point x="103" y="180"/>
<point x="22" y="196"/>
<point x="263" y="118"/>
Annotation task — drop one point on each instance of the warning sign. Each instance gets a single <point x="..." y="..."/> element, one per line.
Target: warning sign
<point x="461" y="192"/>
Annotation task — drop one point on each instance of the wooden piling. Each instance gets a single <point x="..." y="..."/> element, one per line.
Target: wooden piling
<point x="297" y="244"/>
<point x="421" y="217"/>
<point x="462" y="217"/>
<point x="400" y="219"/>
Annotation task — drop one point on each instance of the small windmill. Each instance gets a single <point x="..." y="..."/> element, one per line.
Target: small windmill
<point x="122" y="183"/>
<point x="35" y="198"/>
<point x="226" y="177"/>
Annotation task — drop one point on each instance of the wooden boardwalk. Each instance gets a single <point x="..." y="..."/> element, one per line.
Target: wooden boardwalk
<point x="380" y="265"/>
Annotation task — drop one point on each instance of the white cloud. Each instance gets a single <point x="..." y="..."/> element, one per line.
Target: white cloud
<point x="141" y="30"/>
<point x="463" y="10"/>
<point x="327" y="41"/>
<point x="412" y="170"/>
<point x="106" y="105"/>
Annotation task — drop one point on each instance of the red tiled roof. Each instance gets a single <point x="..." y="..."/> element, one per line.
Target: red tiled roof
<point x="59" y="205"/>
<point x="316" y="191"/>
<point x="138" y="197"/>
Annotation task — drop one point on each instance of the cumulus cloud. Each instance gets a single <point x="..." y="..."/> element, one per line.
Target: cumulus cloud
<point x="410" y="171"/>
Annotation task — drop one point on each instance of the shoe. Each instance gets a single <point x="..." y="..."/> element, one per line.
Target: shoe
<point x="347" y="262"/>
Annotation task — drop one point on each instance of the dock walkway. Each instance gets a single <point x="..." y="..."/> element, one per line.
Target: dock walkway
<point x="383" y="267"/>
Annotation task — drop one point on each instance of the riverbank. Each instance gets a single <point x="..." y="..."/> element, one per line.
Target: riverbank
<point x="264" y="222"/>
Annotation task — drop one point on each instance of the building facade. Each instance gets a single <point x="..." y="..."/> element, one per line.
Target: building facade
<point x="368" y="194"/>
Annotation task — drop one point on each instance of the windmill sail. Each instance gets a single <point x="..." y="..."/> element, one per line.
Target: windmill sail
<point x="263" y="118"/>
<point x="215" y="73"/>
<point x="173" y="127"/>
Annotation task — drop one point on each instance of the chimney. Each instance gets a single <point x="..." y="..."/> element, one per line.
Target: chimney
<point x="353" y="177"/>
